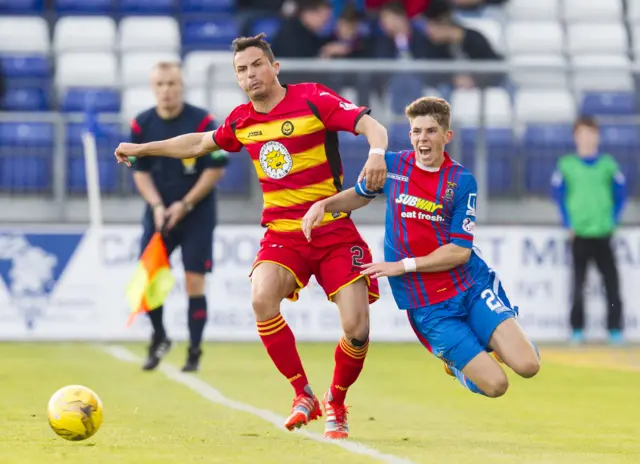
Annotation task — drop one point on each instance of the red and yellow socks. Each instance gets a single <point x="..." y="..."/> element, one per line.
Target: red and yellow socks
<point x="280" y="343"/>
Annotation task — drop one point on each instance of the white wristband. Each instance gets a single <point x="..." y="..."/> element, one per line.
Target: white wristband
<point x="409" y="264"/>
<point x="376" y="151"/>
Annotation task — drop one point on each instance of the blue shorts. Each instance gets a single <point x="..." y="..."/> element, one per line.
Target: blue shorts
<point x="194" y="236"/>
<point x="458" y="329"/>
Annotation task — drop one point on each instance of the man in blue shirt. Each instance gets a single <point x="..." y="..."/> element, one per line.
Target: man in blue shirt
<point x="180" y="200"/>
<point x="455" y="303"/>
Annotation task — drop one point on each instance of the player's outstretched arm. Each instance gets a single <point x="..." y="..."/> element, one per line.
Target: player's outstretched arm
<point x="343" y="202"/>
<point x="184" y="146"/>
<point x="446" y="257"/>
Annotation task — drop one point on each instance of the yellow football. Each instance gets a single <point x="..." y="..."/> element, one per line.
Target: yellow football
<point x="75" y="412"/>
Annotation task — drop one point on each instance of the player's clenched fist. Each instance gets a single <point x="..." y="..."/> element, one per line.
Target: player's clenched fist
<point x="124" y="151"/>
<point x="375" y="172"/>
<point x="313" y="218"/>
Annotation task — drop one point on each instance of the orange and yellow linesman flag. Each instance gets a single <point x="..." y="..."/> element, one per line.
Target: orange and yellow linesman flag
<point x="152" y="280"/>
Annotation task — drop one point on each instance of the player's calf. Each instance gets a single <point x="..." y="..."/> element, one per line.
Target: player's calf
<point x="352" y="349"/>
<point x="270" y="284"/>
<point x="483" y="375"/>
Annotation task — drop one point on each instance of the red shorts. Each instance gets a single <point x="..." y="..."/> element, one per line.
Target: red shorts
<point x="333" y="256"/>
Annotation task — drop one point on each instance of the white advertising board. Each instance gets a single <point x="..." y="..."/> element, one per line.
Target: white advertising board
<point x="58" y="285"/>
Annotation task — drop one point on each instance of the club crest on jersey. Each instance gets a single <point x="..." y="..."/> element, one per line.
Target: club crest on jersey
<point x="419" y="203"/>
<point x="287" y="128"/>
<point x="450" y="191"/>
<point x="275" y="160"/>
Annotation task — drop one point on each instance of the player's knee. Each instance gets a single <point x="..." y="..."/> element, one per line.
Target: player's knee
<point x="356" y="328"/>
<point x="496" y="386"/>
<point x="194" y="283"/>
<point x="527" y="367"/>
<point x="265" y="302"/>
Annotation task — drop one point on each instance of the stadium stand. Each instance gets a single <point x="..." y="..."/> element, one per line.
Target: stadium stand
<point x="568" y="57"/>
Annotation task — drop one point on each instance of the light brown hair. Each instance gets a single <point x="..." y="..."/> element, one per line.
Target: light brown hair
<point x="242" y="43"/>
<point x="585" y="121"/>
<point x="438" y="108"/>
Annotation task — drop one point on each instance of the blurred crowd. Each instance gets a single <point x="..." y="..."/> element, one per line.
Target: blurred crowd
<point x="357" y="29"/>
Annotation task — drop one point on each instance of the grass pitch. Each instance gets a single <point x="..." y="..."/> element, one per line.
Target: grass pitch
<point x="581" y="408"/>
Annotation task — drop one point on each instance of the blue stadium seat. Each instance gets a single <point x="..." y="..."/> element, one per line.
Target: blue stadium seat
<point x="26" y="153"/>
<point x="21" y="6"/>
<point x="238" y="178"/>
<point x="542" y="146"/>
<point x="77" y="177"/>
<point x="27" y="134"/>
<point x="399" y="137"/>
<point x="148" y="7"/>
<point x="609" y="104"/>
<point x="107" y="139"/>
<point x="403" y="89"/>
<point x="630" y="167"/>
<point x="212" y="34"/>
<point x="208" y="6"/>
<point x="623" y="143"/>
<point x="352" y="146"/>
<point x="352" y="167"/>
<point x="84" y="6"/>
<point x="501" y="153"/>
<point x="25" y="99"/>
<point x="101" y="100"/>
<point x="269" y="26"/>
<point x="623" y="135"/>
<point x="25" y="173"/>
<point x="25" y="66"/>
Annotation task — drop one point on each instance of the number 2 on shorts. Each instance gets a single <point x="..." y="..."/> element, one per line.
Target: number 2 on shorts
<point x="357" y="253"/>
<point x="492" y="301"/>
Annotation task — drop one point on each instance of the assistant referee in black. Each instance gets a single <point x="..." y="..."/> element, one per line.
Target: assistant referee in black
<point x="180" y="202"/>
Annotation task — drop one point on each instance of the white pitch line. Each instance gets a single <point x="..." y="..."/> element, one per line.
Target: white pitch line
<point x="210" y="393"/>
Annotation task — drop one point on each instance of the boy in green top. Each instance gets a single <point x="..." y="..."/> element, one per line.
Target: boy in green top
<point x="590" y="191"/>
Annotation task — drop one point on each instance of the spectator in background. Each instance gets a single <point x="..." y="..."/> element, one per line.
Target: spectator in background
<point x="590" y="191"/>
<point x="339" y="6"/>
<point x="448" y="40"/>
<point x="398" y="39"/>
<point x="301" y="36"/>
<point x="349" y="42"/>
<point x="251" y="10"/>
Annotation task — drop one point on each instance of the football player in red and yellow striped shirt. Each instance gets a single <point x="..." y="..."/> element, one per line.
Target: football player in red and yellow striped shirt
<point x="291" y="134"/>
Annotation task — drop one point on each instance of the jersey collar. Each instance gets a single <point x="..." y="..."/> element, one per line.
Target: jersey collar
<point x="445" y="164"/>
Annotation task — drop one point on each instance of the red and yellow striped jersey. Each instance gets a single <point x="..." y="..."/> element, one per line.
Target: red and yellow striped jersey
<point x="294" y="149"/>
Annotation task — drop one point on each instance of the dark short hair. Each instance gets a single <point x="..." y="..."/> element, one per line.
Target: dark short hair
<point x="438" y="108"/>
<point x="351" y="14"/>
<point x="242" y="43"/>
<point x="438" y="10"/>
<point x="395" y="7"/>
<point x="311" y="5"/>
<point x="586" y="121"/>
